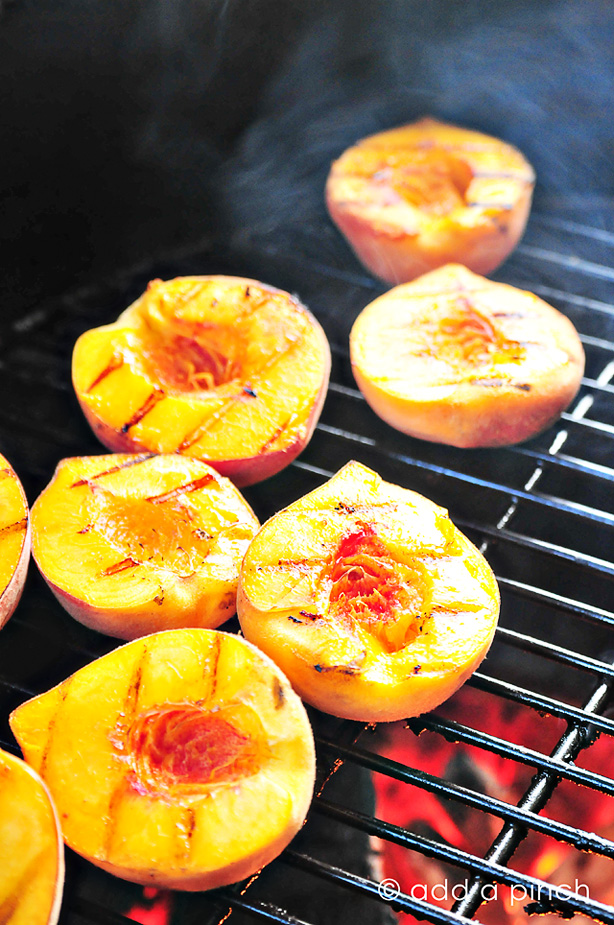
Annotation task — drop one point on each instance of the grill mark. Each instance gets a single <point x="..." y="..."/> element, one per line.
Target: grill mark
<point x="194" y="485"/>
<point x="125" y="719"/>
<point x="275" y="436"/>
<point x="120" y="567"/>
<point x="111" y="817"/>
<point x="215" y="653"/>
<point x="10" y="905"/>
<point x="52" y="724"/>
<point x="14" y="527"/>
<point x="205" y="426"/>
<point x="151" y="401"/>
<point x="125" y="465"/>
<point x="114" y="363"/>
<point x="279" y="698"/>
<point x="185" y="833"/>
<point x="6" y="474"/>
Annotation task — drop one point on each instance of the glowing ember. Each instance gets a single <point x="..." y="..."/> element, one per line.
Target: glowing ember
<point x="473" y="831"/>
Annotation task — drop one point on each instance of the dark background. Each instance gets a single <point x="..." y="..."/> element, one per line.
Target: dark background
<point x="130" y="129"/>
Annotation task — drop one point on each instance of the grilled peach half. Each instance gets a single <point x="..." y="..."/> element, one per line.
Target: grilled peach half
<point x="368" y="597"/>
<point x="219" y="368"/>
<point x="133" y="544"/>
<point x="31" y="849"/>
<point x="182" y="760"/>
<point x="416" y="197"/>
<point x="14" y="540"/>
<point x="455" y="358"/>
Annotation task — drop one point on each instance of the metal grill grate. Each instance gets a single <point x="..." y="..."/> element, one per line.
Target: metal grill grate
<point x="543" y="513"/>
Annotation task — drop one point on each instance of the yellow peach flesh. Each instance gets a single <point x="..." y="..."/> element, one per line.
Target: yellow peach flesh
<point x="368" y="597"/>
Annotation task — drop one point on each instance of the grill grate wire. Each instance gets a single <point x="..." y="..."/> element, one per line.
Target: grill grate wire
<point x="518" y="497"/>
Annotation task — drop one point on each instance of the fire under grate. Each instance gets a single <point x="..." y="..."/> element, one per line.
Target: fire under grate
<point x="543" y="514"/>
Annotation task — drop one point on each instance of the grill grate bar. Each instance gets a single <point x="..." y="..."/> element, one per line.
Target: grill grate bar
<point x="556" y="653"/>
<point x="456" y="732"/>
<point x="525" y="818"/>
<point x="543" y="500"/>
<point x="401" y="902"/>
<point x="578" y="264"/>
<point x="577" y="737"/>
<point x="538" y="702"/>
<point x="573" y="902"/>
<point x="557" y="601"/>
<point x="580" y="301"/>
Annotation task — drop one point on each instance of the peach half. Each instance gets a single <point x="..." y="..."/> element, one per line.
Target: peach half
<point x="31" y="849"/>
<point x="219" y="368"/>
<point x="134" y="544"/>
<point x="182" y="760"/>
<point x="368" y="597"/>
<point x="455" y="358"/>
<point x="14" y="540"/>
<point x="416" y="197"/>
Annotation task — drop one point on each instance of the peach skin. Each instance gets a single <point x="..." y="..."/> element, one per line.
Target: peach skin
<point x="219" y="368"/>
<point x="183" y="760"/>
<point x="455" y="358"/>
<point x="133" y="544"/>
<point x="416" y="197"/>
<point x="14" y="540"/>
<point x="31" y="849"/>
<point x="369" y="598"/>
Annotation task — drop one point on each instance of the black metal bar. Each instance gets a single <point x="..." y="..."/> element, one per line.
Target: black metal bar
<point x="557" y="601"/>
<point x="584" y="841"/>
<point x="576" y="264"/>
<point x="400" y="902"/>
<point x="457" y="732"/>
<point x="553" y="652"/>
<point x="539" y="702"/>
<point x="574" y="902"/>
<point x="542" y="786"/>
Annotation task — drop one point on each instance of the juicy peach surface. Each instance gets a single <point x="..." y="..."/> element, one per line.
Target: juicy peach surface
<point x="14" y="540"/>
<point x="455" y="358"/>
<point x="31" y="849"/>
<point x="219" y="368"/>
<point x="133" y="544"/>
<point x="416" y="197"/>
<point x="182" y="760"/>
<point x="368" y="597"/>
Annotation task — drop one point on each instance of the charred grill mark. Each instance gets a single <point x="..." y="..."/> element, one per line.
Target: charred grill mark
<point x="120" y="567"/>
<point x="52" y="724"/>
<point x="125" y="720"/>
<point x="523" y="386"/>
<point x="276" y="434"/>
<point x="348" y="669"/>
<point x="208" y="422"/>
<point x="116" y="362"/>
<point x="310" y="616"/>
<point x="248" y="390"/>
<point x="6" y="474"/>
<point x="110" y="820"/>
<point x="125" y="465"/>
<point x="488" y="383"/>
<point x="14" y="527"/>
<point x="185" y="833"/>
<point x="194" y="485"/>
<point x="86" y="529"/>
<point x="279" y="697"/>
<point x="509" y="314"/>
<point x="151" y="401"/>
<point x="215" y="656"/>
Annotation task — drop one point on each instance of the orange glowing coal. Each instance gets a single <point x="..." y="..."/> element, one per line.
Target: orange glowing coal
<point x="473" y="831"/>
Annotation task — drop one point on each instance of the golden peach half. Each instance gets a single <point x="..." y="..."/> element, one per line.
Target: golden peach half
<point x="31" y="849"/>
<point x="220" y="368"/>
<point x="183" y="760"/>
<point x="413" y="198"/>
<point x="455" y="358"/>
<point x="14" y="540"/>
<point x="369" y="599"/>
<point x="134" y="544"/>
